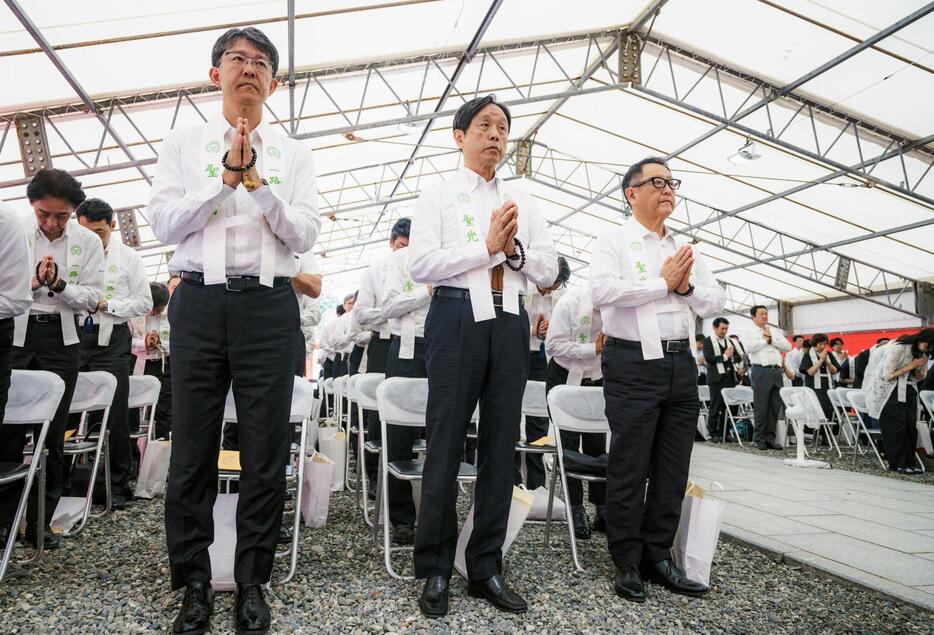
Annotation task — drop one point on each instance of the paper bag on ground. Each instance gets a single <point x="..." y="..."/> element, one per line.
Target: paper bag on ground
<point x="924" y="439"/>
<point x="316" y="490"/>
<point x="333" y="444"/>
<point x="67" y="513"/>
<point x="518" y="512"/>
<point x="698" y="534"/>
<point x="539" y="509"/>
<point x="154" y="470"/>
<point x="224" y="548"/>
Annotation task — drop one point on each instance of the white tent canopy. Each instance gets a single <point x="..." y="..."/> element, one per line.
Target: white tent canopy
<point x="836" y="97"/>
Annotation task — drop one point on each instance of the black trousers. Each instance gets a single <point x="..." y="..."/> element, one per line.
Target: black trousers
<point x="376" y="353"/>
<point x="401" y="438"/>
<point x="299" y="354"/>
<point x="469" y="361"/>
<point x="592" y="444"/>
<point x="163" y="416"/>
<point x="112" y="359"/>
<point x="6" y="368"/>
<point x="42" y="350"/>
<point x="767" y="401"/>
<point x="899" y="429"/>
<point x="652" y="408"/>
<point x="535" y="428"/>
<point x="716" y="415"/>
<point x="220" y="338"/>
<point x="353" y="362"/>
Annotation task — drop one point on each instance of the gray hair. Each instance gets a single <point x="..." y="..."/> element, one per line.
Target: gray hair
<point x="251" y="34"/>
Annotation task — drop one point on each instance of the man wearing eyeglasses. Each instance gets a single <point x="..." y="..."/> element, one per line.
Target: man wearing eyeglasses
<point x="240" y="200"/>
<point x="648" y="290"/>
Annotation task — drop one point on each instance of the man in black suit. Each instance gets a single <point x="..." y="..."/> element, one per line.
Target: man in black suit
<point x="719" y="354"/>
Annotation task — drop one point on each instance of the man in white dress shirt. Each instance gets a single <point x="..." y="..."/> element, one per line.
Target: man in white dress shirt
<point x="648" y="291"/>
<point x="307" y="285"/>
<point x="15" y="298"/>
<point x="793" y="361"/>
<point x="106" y="342"/>
<point x="240" y="200"/>
<point x="764" y="345"/>
<point x="342" y="337"/>
<point x="66" y="267"/>
<point x="478" y="241"/>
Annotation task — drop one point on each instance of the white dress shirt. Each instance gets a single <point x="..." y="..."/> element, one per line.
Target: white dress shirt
<point x="342" y="336"/>
<point x="793" y="361"/>
<point x="564" y="344"/>
<point x="15" y="274"/>
<point x="618" y="295"/>
<point x="537" y="304"/>
<point x="309" y="308"/>
<point x="760" y="352"/>
<point x="368" y="310"/>
<point x="327" y="337"/>
<point x="438" y="253"/>
<point x="185" y="194"/>
<point x="402" y="296"/>
<point x="131" y="296"/>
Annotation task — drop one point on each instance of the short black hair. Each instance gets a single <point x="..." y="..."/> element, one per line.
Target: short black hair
<point x="340" y="309"/>
<point x="349" y="296"/>
<point x="400" y="228"/>
<point x="635" y="170"/>
<point x="795" y="338"/>
<point x="720" y="320"/>
<point x="883" y="339"/>
<point x="469" y="110"/>
<point x="95" y="209"/>
<point x="836" y="340"/>
<point x="756" y="308"/>
<point x="564" y="271"/>
<point x="806" y="344"/>
<point x="57" y="184"/>
<point x="253" y="35"/>
<point x="699" y="337"/>
<point x="817" y="338"/>
<point x="160" y="293"/>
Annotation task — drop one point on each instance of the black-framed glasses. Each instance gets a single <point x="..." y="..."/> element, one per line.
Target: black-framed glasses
<point x="659" y="183"/>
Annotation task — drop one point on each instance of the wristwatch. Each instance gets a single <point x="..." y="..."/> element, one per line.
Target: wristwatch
<point x="58" y="286"/>
<point x="686" y="293"/>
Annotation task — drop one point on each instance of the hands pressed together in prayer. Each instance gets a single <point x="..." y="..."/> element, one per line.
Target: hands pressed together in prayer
<point x="46" y="273"/>
<point x="152" y="340"/>
<point x="504" y="224"/>
<point x="239" y="155"/>
<point x="676" y="270"/>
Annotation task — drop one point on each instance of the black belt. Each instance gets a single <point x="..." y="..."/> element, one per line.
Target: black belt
<point x="668" y="346"/>
<point x="97" y="327"/>
<point x="235" y="283"/>
<point x="455" y="292"/>
<point x="418" y="340"/>
<point x="47" y="318"/>
<point x="766" y="366"/>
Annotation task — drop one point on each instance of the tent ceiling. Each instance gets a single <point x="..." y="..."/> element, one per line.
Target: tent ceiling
<point x="844" y="178"/>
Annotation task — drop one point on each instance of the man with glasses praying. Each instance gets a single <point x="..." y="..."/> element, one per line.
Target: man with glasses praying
<point x="240" y="200"/>
<point x="648" y="290"/>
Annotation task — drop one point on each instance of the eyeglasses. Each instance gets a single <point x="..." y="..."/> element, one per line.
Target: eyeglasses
<point x="659" y="183"/>
<point x="239" y="60"/>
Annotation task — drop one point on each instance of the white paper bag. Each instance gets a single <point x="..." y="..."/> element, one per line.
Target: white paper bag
<point x="698" y="534"/>
<point x="539" y="509"/>
<point x="223" y="550"/>
<point x="141" y="445"/>
<point x="518" y="512"/>
<point x="333" y="444"/>
<point x="67" y="513"/>
<point x="154" y="470"/>
<point x="924" y="440"/>
<point x="702" y="427"/>
<point x="781" y="432"/>
<point x="316" y="490"/>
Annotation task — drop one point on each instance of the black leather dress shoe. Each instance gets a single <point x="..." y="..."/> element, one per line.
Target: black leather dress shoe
<point x="251" y="615"/>
<point x="403" y="535"/>
<point x="629" y="584"/>
<point x="581" y="523"/>
<point x="4" y="536"/>
<point x="775" y="446"/>
<point x="118" y="502"/>
<point x="762" y="445"/>
<point x="599" y="521"/>
<point x="285" y="534"/>
<point x="433" y="601"/>
<point x="51" y="538"/>
<point x="495" y="591"/>
<point x="669" y="575"/>
<point x="195" y="615"/>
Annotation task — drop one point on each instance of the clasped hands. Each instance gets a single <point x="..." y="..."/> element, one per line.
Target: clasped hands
<point x="504" y="224"/>
<point x="152" y="340"/>
<point x="46" y="275"/>
<point x="676" y="270"/>
<point x="240" y="154"/>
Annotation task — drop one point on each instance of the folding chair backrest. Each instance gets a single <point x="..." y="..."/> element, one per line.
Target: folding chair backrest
<point x="33" y="397"/>
<point x="328" y="385"/>
<point x="303" y="398"/>
<point x="815" y="412"/>
<point x="703" y="393"/>
<point x="927" y="399"/>
<point x="403" y="401"/>
<point x="93" y="391"/>
<point x="533" y="399"/>
<point x="578" y="409"/>
<point x="365" y="388"/>
<point x="834" y="396"/>
<point x="787" y="394"/>
<point x="144" y="391"/>
<point x="857" y="399"/>
<point x="340" y="385"/>
<point x="352" y="387"/>
<point x="737" y="395"/>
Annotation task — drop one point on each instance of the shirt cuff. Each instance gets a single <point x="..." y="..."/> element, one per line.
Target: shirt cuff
<point x="589" y="350"/>
<point x="264" y="198"/>
<point x="657" y="288"/>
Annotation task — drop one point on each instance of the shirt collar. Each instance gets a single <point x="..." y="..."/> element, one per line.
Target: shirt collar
<point x="470" y="180"/>
<point x="634" y="225"/>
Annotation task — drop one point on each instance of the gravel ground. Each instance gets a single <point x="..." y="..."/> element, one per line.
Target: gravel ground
<point x="865" y="463"/>
<point x="113" y="579"/>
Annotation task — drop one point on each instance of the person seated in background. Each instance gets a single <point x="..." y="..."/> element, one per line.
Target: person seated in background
<point x="699" y="357"/>
<point x="841" y="359"/>
<point x="861" y="362"/>
<point x="818" y="369"/>
<point x="151" y="352"/>
<point x="720" y="355"/>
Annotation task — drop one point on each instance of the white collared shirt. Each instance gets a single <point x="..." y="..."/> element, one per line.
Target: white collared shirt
<point x="327" y="337"/>
<point x="403" y="296"/>
<point x="537" y="304"/>
<point x="183" y="201"/>
<point x="309" y="308"/>
<point x="760" y="352"/>
<point x="437" y="252"/>
<point x="15" y="274"/>
<point x="561" y="343"/>
<point x="793" y="360"/>
<point x="142" y="326"/>
<point x="132" y="297"/>
<point x="82" y="295"/>
<point x="342" y="338"/>
<point x="368" y="310"/>
<point x="616" y="294"/>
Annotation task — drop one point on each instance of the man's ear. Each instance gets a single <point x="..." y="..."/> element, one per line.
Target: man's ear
<point x="459" y="138"/>
<point x="215" y="76"/>
<point x="273" y="84"/>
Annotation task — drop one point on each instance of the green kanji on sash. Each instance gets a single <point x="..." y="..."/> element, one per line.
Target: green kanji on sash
<point x="211" y="170"/>
<point x="473" y="237"/>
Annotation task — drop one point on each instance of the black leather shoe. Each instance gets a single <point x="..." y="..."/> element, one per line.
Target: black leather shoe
<point x="285" y="534"/>
<point x="118" y="502"/>
<point x="195" y="615"/>
<point x="581" y="523"/>
<point x="599" y="521"/>
<point x="4" y="536"/>
<point x="495" y="591"/>
<point x="433" y="601"/>
<point x="762" y="445"/>
<point x="629" y="584"/>
<point x="669" y="575"/>
<point x="251" y="615"/>
<point x="51" y="538"/>
<point x="775" y="446"/>
<point x="403" y="535"/>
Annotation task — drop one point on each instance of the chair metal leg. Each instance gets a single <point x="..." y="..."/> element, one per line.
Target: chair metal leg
<point x="299" y="488"/>
<point x="573" y="537"/>
<point x="551" y="500"/>
<point x="377" y="510"/>
<point x="40" y="499"/>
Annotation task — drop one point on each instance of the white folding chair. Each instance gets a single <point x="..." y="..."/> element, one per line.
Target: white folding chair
<point x="340" y="386"/>
<point x="857" y="399"/>
<point x="703" y="395"/>
<point x="742" y="398"/>
<point x="576" y="409"/>
<point x="328" y="387"/>
<point x="144" y="395"/>
<point x="837" y="398"/>
<point x="364" y="391"/>
<point x="927" y="402"/>
<point x="403" y="402"/>
<point x="32" y="400"/>
<point x="94" y="392"/>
